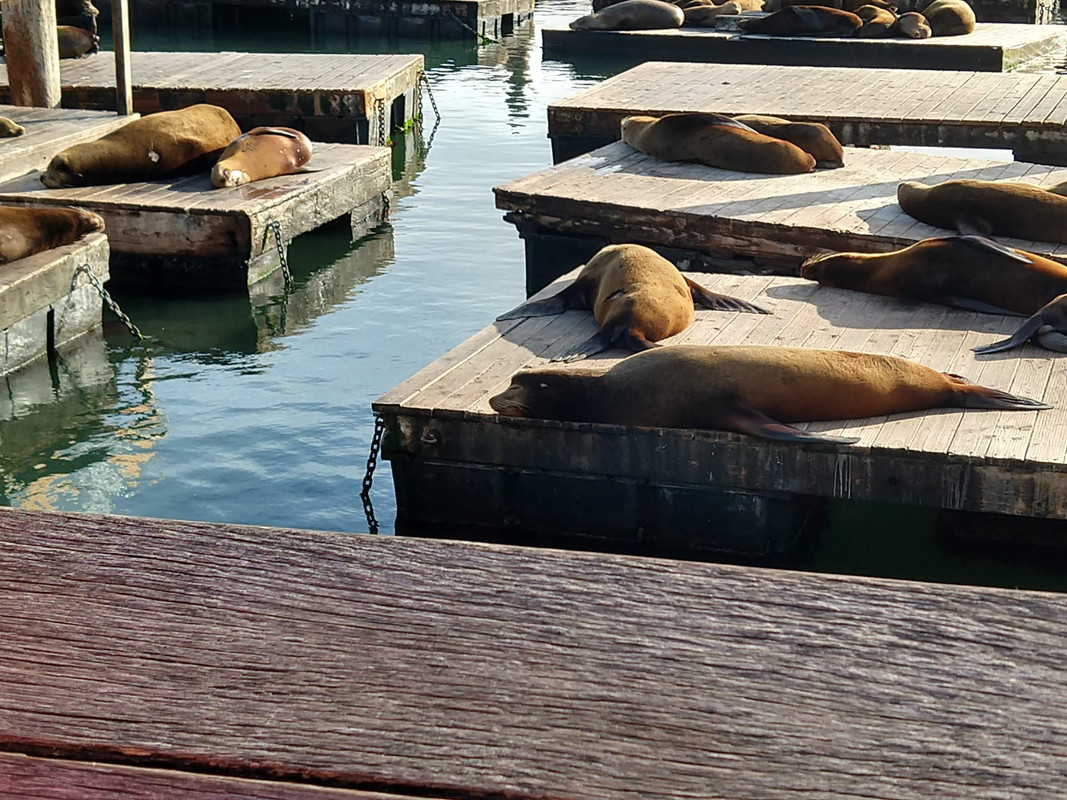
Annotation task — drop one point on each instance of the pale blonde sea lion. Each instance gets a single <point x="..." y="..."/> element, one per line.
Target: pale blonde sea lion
<point x="632" y="15"/>
<point x="949" y="17"/>
<point x="261" y="153"/>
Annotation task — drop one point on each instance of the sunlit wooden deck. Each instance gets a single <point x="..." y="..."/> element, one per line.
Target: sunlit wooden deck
<point x="165" y="659"/>
<point x="1021" y="111"/>
<point x="49" y="130"/>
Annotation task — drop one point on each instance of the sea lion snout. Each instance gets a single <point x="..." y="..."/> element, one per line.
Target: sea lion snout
<point x="88" y="222"/>
<point x="59" y="173"/>
<point x="223" y="177"/>
<point x="509" y="403"/>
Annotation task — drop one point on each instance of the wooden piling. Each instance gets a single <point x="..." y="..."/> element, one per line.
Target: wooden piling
<point x="31" y="51"/>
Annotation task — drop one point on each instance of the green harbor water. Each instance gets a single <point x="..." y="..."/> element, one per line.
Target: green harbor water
<point x="258" y="411"/>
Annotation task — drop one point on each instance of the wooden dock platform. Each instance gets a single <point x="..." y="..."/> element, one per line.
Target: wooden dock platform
<point x="184" y="233"/>
<point x="165" y="659"/>
<point x="351" y="99"/>
<point x="1019" y="111"/>
<point x="49" y="130"/>
<point x="992" y="47"/>
<point x="456" y="462"/>
<point x="733" y="221"/>
<point x="45" y="301"/>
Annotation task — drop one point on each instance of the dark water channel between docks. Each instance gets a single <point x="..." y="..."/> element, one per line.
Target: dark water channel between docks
<point x="259" y="412"/>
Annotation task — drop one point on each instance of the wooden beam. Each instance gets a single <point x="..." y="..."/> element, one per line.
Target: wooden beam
<point x="31" y="48"/>
<point x="120" y="31"/>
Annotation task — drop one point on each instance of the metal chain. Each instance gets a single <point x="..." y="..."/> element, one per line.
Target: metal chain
<point x="383" y="136"/>
<point x="276" y="228"/>
<point x="484" y="39"/>
<point x="106" y="296"/>
<point x="429" y="91"/>
<point x="368" y="479"/>
<point x="386" y="206"/>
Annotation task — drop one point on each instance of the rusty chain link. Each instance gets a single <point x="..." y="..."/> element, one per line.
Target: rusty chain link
<point x="105" y="296"/>
<point x="276" y="228"/>
<point x="368" y="478"/>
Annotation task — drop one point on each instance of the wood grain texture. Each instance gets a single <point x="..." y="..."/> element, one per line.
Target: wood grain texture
<point x="946" y="458"/>
<point x="482" y="671"/>
<point x="47" y="132"/>
<point x="31" y="46"/>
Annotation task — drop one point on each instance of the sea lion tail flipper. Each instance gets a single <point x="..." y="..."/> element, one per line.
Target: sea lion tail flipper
<point x="563" y="300"/>
<point x="755" y="423"/>
<point x="1053" y="340"/>
<point x="590" y="347"/>
<point x="984" y="397"/>
<point x="1028" y="329"/>
<point x="720" y="302"/>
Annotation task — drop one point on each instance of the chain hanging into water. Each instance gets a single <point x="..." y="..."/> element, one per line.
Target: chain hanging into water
<point x="276" y="228"/>
<point x="424" y="81"/>
<point x="368" y="479"/>
<point x="380" y="115"/>
<point x="106" y="296"/>
<point x="481" y="36"/>
<point x="424" y="145"/>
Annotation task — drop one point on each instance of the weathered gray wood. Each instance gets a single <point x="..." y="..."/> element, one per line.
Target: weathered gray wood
<point x="31" y="48"/>
<point x="47" y="132"/>
<point x="478" y="671"/>
<point x="992" y="47"/>
<point x="120" y="34"/>
<point x="29" y="778"/>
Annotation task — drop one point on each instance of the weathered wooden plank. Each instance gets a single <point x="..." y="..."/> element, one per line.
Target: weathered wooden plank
<point x="47" y="132"/>
<point x="476" y="671"/>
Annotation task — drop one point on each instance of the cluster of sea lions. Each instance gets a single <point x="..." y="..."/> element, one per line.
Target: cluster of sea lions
<point x="172" y="144"/>
<point x="837" y="18"/>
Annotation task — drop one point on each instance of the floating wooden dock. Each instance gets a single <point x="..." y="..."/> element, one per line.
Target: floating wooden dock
<point x="734" y="221"/>
<point x="351" y="99"/>
<point x="1018" y="111"/>
<point x="49" y="130"/>
<point x="241" y="662"/>
<point x="185" y="233"/>
<point x="46" y="300"/>
<point x="455" y="462"/>
<point x="992" y="47"/>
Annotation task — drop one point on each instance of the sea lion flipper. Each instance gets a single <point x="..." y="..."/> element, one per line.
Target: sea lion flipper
<point x="274" y="132"/>
<point x="973" y="226"/>
<point x="720" y="302"/>
<point x="984" y="397"/>
<point x="1021" y="336"/>
<point x="971" y="304"/>
<point x="983" y="242"/>
<point x="755" y="423"/>
<point x="564" y="300"/>
<point x="1053" y="340"/>
<point x="597" y="343"/>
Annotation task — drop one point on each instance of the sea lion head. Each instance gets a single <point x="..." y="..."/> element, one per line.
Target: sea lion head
<point x="9" y="128"/>
<point x="547" y="393"/>
<point x="61" y="171"/>
<point x="88" y="222"/>
<point x="223" y="177"/>
<point x="913" y="25"/>
<point x="843" y="270"/>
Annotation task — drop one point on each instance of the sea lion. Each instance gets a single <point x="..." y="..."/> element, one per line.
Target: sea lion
<point x="76" y="42"/>
<point x="704" y="16"/>
<point x="715" y="140"/>
<point x="749" y="389"/>
<point x="844" y="5"/>
<point x="804" y="21"/>
<point x="261" y="153"/>
<point x="1020" y="210"/>
<point x="78" y="13"/>
<point x="912" y="25"/>
<point x="637" y="297"/>
<point x="632" y="15"/>
<point x="1048" y="327"/>
<point x="949" y="17"/>
<point x="968" y="272"/>
<point x="877" y="22"/>
<point x="25" y="230"/>
<point x="811" y="137"/>
<point x="10" y="128"/>
<point x="163" y="145"/>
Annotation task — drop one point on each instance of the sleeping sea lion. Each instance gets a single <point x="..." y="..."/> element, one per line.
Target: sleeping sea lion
<point x="1048" y="327"/>
<point x="811" y="137"/>
<point x="844" y="5"/>
<point x="261" y="153"/>
<point x="1019" y="210"/>
<point x="750" y="389"/>
<point x="804" y="21"/>
<point x="76" y="42"/>
<point x="637" y="297"/>
<point x="25" y="230"/>
<point x="968" y="272"/>
<point x="704" y="16"/>
<point x="600" y="5"/>
<point x="912" y="25"/>
<point x="10" y="128"/>
<point x="632" y="15"/>
<point x="163" y="145"/>
<point x="949" y="17"/>
<point x="715" y="140"/>
<point x="877" y="22"/>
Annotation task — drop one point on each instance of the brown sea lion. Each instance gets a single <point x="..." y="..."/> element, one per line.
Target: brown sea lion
<point x="600" y="5"/>
<point x="1020" y="210"/>
<point x="78" y="13"/>
<point x="877" y="22"/>
<point x="949" y="17"/>
<point x="164" y="145"/>
<point x="811" y="137"/>
<point x="844" y="5"/>
<point x="968" y="272"/>
<point x="748" y="389"/>
<point x="715" y="140"/>
<point x="76" y="42"/>
<point x="10" y="128"/>
<point x="637" y="298"/>
<point x="912" y="25"/>
<point x="804" y="21"/>
<point x="261" y="153"/>
<point x="1048" y="327"/>
<point x="25" y="230"/>
<point x="632" y="15"/>
<point x="704" y="16"/>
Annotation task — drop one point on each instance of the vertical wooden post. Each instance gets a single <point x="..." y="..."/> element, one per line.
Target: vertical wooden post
<point x="31" y="48"/>
<point x="120" y="33"/>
